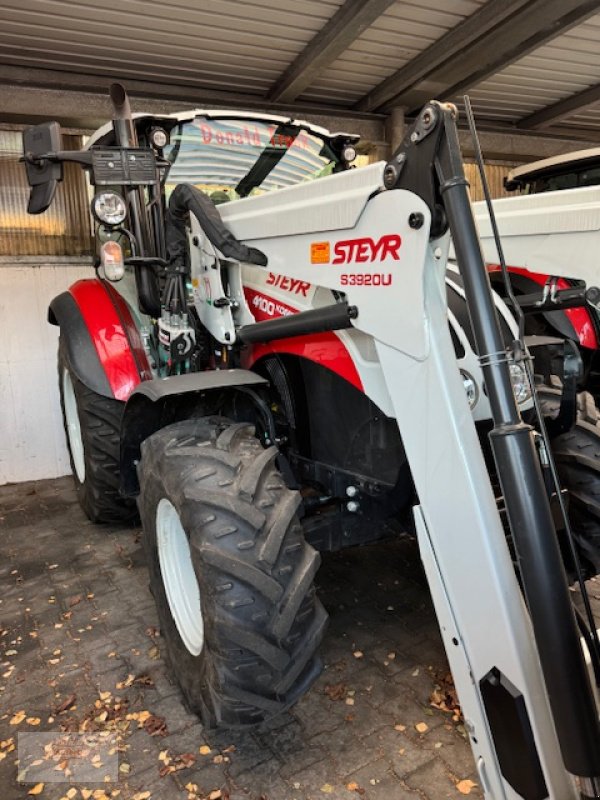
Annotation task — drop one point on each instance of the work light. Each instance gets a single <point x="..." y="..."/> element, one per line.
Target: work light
<point x="109" y="208"/>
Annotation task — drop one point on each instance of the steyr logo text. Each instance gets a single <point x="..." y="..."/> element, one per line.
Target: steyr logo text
<point x="359" y="251"/>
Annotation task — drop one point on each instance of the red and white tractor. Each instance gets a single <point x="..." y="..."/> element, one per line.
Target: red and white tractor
<point x="283" y="361"/>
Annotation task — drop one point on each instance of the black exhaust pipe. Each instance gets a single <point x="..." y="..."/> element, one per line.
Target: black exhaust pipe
<point x="126" y="136"/>
<point x="122" y="119"/>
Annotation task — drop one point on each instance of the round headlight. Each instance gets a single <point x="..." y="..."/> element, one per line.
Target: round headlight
<point x="520" y="383"/>
<point x="109" y="208"/>
<point x="471" y="389"/>
<point x="159" y="138"/>
<point x="349" y="153"/>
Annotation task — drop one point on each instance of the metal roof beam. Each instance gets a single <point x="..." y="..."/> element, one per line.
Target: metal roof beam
<point x="488" y="41"/>
<point x="558" y="111"/>
<point x="346" y="25"/>
<point x="451" y="44"/>
<point x="30" y="95"/>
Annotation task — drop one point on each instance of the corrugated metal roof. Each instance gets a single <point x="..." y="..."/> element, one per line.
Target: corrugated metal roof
<point x="243" y="49"/>
<point x="565" y="66"/>
<point x="219" y="43"/>
<point x="391" y="42"/>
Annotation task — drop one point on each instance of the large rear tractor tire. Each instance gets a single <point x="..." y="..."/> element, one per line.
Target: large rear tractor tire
<point x="230" y="571"/>
<point x="92" y="426"/>
<point x="577" y="456"/>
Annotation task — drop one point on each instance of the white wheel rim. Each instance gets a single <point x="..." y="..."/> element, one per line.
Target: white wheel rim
<point x="179" y="578"/>
<point x="73" y="426"/>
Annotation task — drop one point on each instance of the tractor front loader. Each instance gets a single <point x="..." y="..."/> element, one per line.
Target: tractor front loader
<point x="284" y="372"/>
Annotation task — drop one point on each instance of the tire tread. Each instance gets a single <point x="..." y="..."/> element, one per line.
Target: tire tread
<point x="263" y="621"/>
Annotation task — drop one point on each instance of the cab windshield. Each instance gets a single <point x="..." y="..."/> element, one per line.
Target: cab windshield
<point x="233" y="158"/>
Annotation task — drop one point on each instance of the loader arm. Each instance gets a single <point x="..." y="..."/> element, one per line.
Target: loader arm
<point x="522" y="682"/>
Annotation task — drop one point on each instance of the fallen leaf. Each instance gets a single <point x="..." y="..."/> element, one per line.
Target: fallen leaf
<point x="144" y="680"/>
<point x="17" y="718"/>
<point x="141" y="796"/>
<point x="335" y="691"/>
<point x="66" y="704"/>
<point x="352" y="787"/>
<point x="445" y="698"/>
<point x="358" y="654"/>
<point x="464" y="787"/>
<point x="399" y="727"/>
<point x="155" y="726"/>
<point x="204" y="750"/>
<point x="33" y="720"/>
<point x="327" y="788"/>
<point x="349" y="701"/>
<point x="215" y="795"/>
<point x="39" y="788"/>
<point x="422" y="727"/>
<point x="75" y="600"/>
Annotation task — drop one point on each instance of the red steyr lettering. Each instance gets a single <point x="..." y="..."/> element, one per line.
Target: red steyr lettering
<point x="292" y="285"/>
<point x="366" y="249"/>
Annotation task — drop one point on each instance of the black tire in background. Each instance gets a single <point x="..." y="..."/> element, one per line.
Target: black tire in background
<point x="92" y="426"/>
<point x="577" y="456"/>
<point x="253" y="623"/>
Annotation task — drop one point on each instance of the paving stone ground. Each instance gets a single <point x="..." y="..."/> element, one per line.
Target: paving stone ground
<point x="76" y="619"/>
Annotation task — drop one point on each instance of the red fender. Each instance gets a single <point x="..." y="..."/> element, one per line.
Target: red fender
<point x="325" y="349"/>
<point x="114" y="334"/>
<point x="580" y="318"/>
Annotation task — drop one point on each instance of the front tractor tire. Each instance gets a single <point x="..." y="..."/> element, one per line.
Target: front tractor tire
<point x="92" y="426"/>
<point x="230" y="571"/>
<point x="577" y="457"/>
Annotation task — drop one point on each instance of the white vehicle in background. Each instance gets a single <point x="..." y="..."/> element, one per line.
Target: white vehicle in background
<point x="568" y="171"/>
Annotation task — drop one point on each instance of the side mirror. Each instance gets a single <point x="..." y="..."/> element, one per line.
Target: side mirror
<point x="42" y="173"/>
